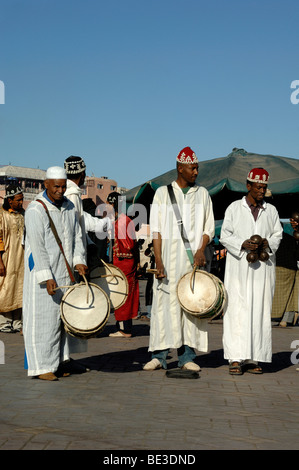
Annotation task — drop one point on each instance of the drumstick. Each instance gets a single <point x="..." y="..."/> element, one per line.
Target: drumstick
<point x="107" y="275"/>
<point x="68" y="287"/>
<point x="87" y="288"/>
<point x="192" y="279"/>
<point x="106" y="265"/>
<point x="62" y="287"/>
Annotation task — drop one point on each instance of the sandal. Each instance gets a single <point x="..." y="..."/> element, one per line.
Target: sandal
<point x="120" y="334"/>
<point x="254" y="369"/>
<point x="235" y="368"/>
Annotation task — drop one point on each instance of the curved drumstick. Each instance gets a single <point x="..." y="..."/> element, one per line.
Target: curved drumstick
<point x="192" y="279"/>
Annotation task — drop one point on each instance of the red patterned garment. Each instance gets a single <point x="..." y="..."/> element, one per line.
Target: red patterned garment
<point x="126" y="257"/>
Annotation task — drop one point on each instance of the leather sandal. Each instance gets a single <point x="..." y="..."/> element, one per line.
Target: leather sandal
<point x="235" y="368"/>
<point x="47" y="376"/>
<point x="254" y="369"/>
<point x="120" y="334"/>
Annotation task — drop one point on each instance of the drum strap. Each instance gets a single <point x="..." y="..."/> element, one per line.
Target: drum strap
<point x="58" y="240"/>
<point x="180" y="223"/>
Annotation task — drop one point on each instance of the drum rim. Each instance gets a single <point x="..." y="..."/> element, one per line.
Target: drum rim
<point x="124" y="278"/>
<point x="217" y="304"/>
<point x="77" y="334"/>
<point x="224" y="300"/>
<point x="71" y="327"/>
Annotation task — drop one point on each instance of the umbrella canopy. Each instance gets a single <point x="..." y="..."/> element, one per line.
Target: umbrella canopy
<point x="225" y="179"/>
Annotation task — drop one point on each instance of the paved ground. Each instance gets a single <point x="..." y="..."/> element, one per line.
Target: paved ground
<point x="117" y="405"/>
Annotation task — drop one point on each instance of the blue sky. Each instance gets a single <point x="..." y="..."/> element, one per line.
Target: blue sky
<point x="127" y="84"/>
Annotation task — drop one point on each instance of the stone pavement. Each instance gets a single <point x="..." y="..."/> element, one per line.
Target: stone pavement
<point x="117" y="405"/>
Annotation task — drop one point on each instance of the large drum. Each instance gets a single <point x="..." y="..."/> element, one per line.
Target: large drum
<point x="113" y="281"/>
<point x="201" y="294"/>
<point x="84" y="310"/>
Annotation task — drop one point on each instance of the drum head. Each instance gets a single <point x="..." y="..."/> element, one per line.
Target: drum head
<point x="113" y="281"/>
<point x="85" y="309"/>
<point x="201" y="296"/>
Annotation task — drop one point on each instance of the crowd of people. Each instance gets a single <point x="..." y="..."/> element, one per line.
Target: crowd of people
<point x="51" y="246"/>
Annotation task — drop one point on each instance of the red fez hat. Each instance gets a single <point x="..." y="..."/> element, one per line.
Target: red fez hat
<point x="258" y="175"/>
<point x="187" y="156"/>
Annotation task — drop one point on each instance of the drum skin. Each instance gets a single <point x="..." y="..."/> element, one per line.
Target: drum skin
<point x="201" y="294"/>
<point x="113" y="281"/>
<point x="84" y="310"/>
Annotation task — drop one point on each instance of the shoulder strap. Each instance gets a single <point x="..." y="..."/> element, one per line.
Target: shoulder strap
<point x="53" y="228"/>
<point x="180" y="223"/>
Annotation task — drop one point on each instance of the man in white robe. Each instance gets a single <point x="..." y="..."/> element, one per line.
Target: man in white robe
<point x="250" y="286"/>
<point x="75" y="168"/>
<point x="46" y="343"/>
<point x="171" y="326"/>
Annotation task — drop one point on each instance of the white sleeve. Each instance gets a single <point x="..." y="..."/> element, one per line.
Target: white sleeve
<point x="228" y="237"/>
<point x="155" y="214"/>
<point x="209" y="224"/>
<point x="98" y="226"/>
<point x="35" y="223"/>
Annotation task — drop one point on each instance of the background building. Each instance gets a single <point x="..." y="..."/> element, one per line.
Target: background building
<point x="32" y="182"/>
<point x="98" y="189"/>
